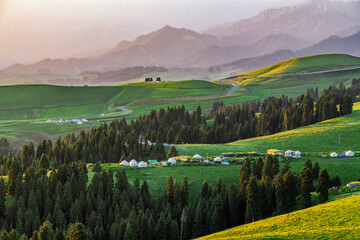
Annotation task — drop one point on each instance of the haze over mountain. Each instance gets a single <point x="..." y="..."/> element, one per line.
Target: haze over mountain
<point x="312" y="20"/>
<point x="288" y="28"/>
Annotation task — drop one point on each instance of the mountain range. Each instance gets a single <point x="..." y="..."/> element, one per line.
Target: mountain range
<point x="271" y="35"/>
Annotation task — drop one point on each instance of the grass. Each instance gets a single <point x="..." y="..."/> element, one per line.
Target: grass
<point x="338" y="219"/>
<point x="317" y="138"/>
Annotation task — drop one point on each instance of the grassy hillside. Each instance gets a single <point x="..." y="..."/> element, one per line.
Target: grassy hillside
<point x="334" y="220"/>
<point x="317" y="138"/>
<point x="295" y="76"/>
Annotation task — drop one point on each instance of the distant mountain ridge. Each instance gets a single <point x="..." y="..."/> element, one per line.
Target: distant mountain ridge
<point x="255" y="42"/>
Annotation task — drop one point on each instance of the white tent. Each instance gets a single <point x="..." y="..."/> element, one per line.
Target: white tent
<point x="288" y="153"/>
<point x="217" y="159"/>
<point x="297" y="154"/>
<point x="49" y="121"/>
<point x="334" y="154"/>
<point x="197" y="156"/>
<point x="206" y="161"/>
<point x="350" y="153"/>
<point x="172" y="161"/>
<point x="133" y="163"/>
<point x="79" y="122"/>
<point x="124" y="163"/>
<point x="84" y="120"/>
<point x="142" y="164"/>
<point x="225" y="163"/>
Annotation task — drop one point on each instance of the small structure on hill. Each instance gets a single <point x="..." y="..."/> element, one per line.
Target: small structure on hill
<point x="124" y="163"/>
<point x="142" y="164"/>
<point x="80" y="122"/>
<point x="342" y="156"/>
<point x="288" y="153"/>
<point x="217" y="159"/>
<point x="350" y="153"/>
<point x="206" y="161"/>
<point x="84" y="120"/>
<point x="196" y="158"/>
<point x="226" y="163"/>
<point x="49" y="121"/>
<point x="334" y="154"/>
<point x="275" y="152"/>
<point x="297" y="154"/>
<point x="133" y="163"/>
<point x="172" y="161"/>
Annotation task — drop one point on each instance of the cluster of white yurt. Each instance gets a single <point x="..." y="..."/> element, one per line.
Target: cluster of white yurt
<point x="288" y="153"/>
<point x="172" y="161"/>
<point x="133" y="163"/>
<point x="217" y="159"/>
<point x="142" y="164"/>
<point x="196" y="156"/>
<point x="124" y="163"/>
<point x="297" y="154"/>
<point x="349" y="153"/>
<point x="334" y="154"/>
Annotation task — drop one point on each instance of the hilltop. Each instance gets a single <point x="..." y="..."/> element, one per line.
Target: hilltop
<point x="298" y="74"/>
<point x="333" y="220"/>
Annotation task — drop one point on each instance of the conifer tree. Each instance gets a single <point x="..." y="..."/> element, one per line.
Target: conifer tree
<point x="76" y="231"/>
<point x="324" y="185"/>
<point x="184" y="188"/>
<point x="253" y="200"/>
<point x="172" y="152"/>
<point x="306" y="186"/>
<point x="316" y="171"/>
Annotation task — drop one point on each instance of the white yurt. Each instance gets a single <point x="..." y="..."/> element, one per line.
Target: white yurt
<point x="225" y="163"/>
<point x="288" y="153"/>
<point x="84" y="120"/>
<point x="197" y="156"/>
<point x="350" y="153"/>
<point x="217" y="159"/>
<point x="79" y="122"/>
<point x="124" y="163"/>
<point x="206" y="161"/>
<point x="297" y="154"/>
<point x="334" y="154"/>
<point x="142" y="164"/>
<point x="133" y="163"/>
<point x="172" y="161"/>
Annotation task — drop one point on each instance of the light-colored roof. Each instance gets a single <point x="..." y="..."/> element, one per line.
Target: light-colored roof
<point x="297" y="153"/>
<point x="217" y="159"/>
<point x="133" y="163"/>
<point x="197" y="156"/>
<point x="349" y="153"/>
<point x="125" y="163"/>
<point x="172" y="160"/>
<point x="142" y="164"/>
<point x="334" y="154"/>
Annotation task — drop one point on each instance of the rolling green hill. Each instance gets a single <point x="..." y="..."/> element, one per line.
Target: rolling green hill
<point x="319" y="138"/>
<point x="297" y="75"/>
<point x="334" y="220"/>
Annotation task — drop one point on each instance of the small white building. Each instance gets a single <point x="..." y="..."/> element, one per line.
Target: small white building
<point x="225" y="163"/>
<point x="297" y="154"/>
<point x="142" y="164"/>
<point x="80" y="122"/>
<point x="288" y="153"/>
<point x="49" y="121"/>
<point x="124" y="163"/>
<point x="172" y="161"/>
<point x="84" y="120"/>
<point x="217" y="159"/>
<point x="334" y="155"/>
<point x="133" y="163"/>
<point x="350" y="153"/>
<point x="206" y="161"/>
<point x="196" y="156"/>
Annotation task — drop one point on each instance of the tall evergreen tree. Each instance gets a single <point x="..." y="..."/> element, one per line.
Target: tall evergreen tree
<point x="306" y="186"/>
<point x="253" y="200"/>
<point x="324" y="185"/>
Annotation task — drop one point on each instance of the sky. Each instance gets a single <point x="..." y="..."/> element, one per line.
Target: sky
<point x="34" y="29"/>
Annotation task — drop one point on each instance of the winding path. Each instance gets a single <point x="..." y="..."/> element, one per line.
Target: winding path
<point x="125" y="111"/>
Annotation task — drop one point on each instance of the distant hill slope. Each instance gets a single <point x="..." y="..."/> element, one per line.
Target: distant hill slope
<point x="339" y="219"/>
<point x="312" y="20"/>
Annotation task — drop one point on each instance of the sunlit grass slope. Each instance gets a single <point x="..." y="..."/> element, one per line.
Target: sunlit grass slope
<point x="295" y="76"/>
<point x="339" y="219"/>
<point x="317" y="138"/>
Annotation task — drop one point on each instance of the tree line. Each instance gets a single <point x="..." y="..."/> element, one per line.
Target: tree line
<point x="60" y="204"/>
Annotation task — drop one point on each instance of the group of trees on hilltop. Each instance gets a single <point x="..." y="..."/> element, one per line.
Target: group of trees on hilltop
<point x="61" y="203"/>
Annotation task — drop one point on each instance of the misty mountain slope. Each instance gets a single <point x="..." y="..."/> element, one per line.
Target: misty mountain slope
<point x="214" y="55"/>
<point x="312" y="20"/>
<point x="335" y="44"/>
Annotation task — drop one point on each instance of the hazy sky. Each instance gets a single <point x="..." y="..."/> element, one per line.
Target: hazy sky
<point x="34" y="29"/>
